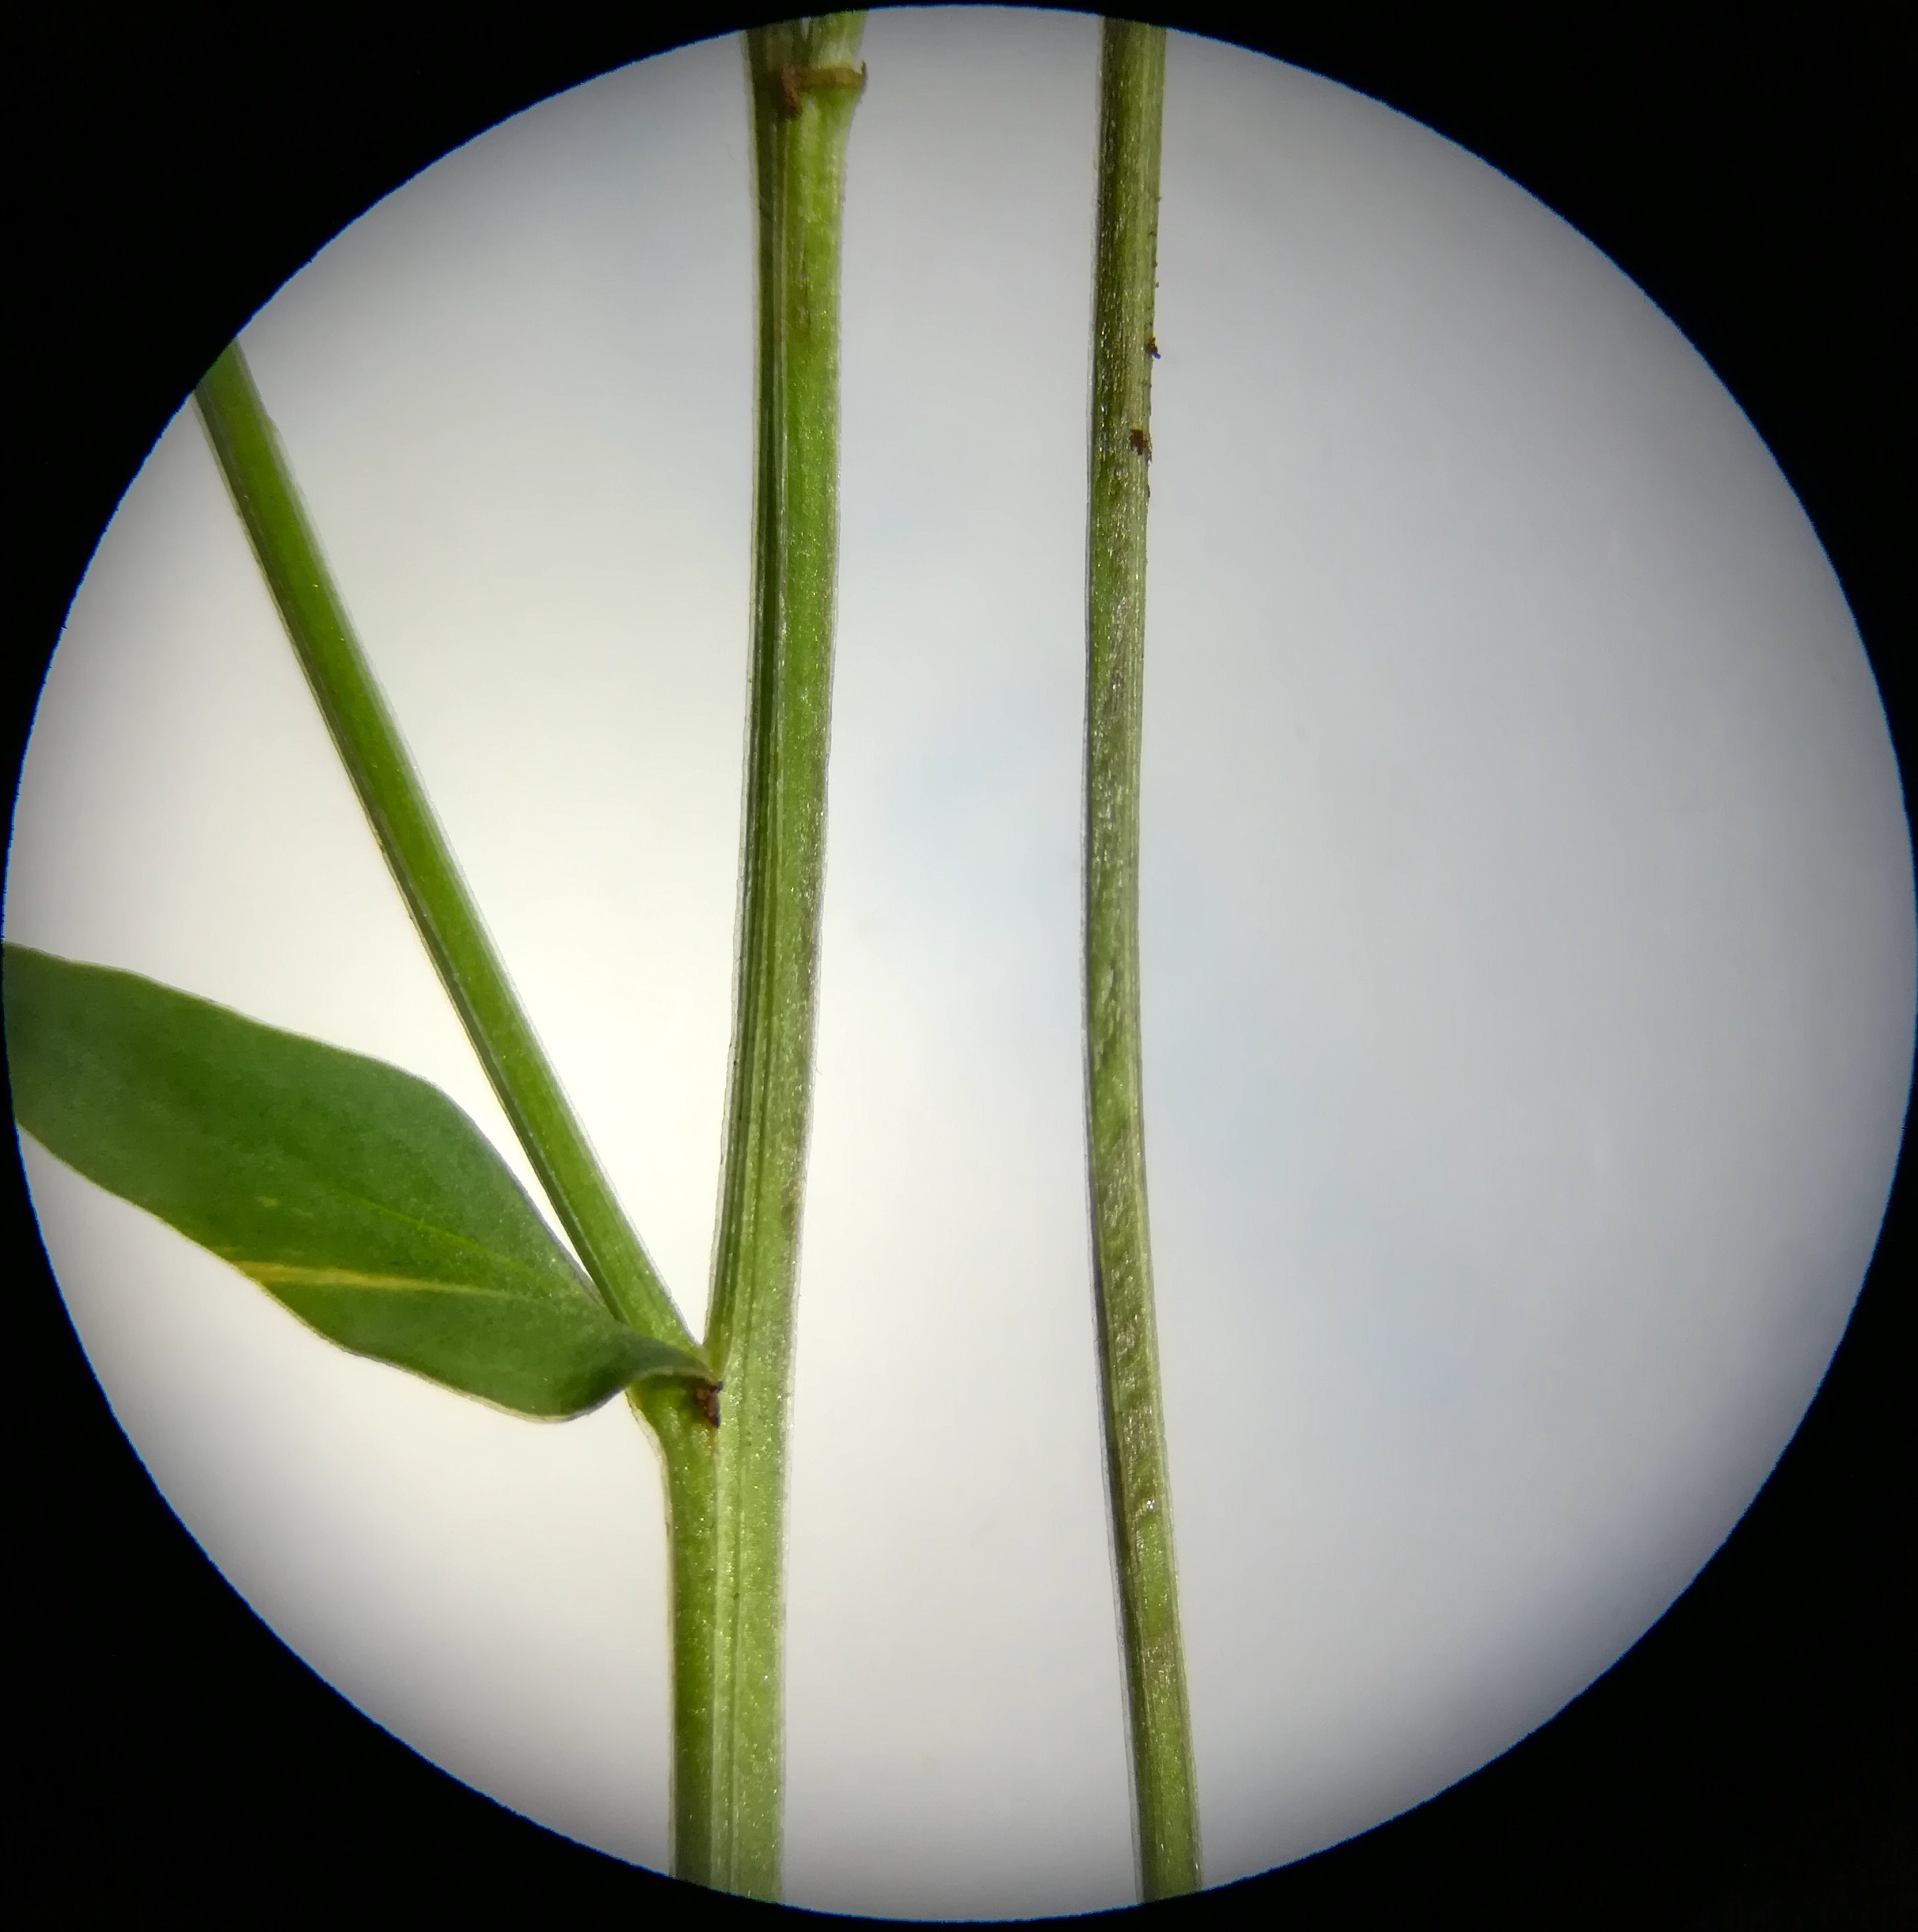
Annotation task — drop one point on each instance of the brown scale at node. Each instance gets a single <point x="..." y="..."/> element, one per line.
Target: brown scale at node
<point x="795" y="81"/>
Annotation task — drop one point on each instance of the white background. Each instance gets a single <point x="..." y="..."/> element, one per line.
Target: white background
<point x="1528" y="949"/>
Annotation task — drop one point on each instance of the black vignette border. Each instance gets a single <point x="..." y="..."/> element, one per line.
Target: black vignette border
<point x="1750" y="1761"/>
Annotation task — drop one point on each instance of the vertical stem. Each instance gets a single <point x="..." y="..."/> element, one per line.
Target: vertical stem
<point x="1132" y="99"/>
<point x="689" y="1459"/>
<point x="246" y="448"/>
<point x="804" y="82"/>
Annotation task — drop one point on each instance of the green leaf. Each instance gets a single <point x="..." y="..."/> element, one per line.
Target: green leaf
<point x="359" y="1196"/>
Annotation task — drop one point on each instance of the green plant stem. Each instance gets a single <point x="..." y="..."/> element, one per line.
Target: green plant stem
<point x="248" y="450"/>
<point x="689" y="1460"/>
<point x="1131" y="101"/>
<point x="804" y="82"/>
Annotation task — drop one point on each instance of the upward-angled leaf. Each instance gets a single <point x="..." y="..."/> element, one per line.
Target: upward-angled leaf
<point x="361" y="1197"/>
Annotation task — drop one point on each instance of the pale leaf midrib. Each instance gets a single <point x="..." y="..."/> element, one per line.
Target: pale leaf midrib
<point x="288" y="1274"/>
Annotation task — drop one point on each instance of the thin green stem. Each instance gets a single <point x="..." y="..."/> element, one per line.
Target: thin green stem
<point x="249" y="454"/>
<point x="248" y="450"/>
<point x="1131" y="102"/>
<point x="689" y="1460"/>
<point x="804" y="81"/>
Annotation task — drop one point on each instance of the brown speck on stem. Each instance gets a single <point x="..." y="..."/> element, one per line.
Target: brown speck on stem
<point x="706" y="1398"/>
<point x="1151" y="344"/>
<point x="1142" y="442"/>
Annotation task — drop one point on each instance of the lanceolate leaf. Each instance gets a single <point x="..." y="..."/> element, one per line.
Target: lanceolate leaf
<point x="361" y="1197"/>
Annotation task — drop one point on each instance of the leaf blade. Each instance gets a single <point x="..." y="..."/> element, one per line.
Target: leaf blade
<point x="535" y="1358"/>
<point x="358" y="1195"/>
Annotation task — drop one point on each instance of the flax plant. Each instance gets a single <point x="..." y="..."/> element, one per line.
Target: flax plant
<point x="372" y="1209"/>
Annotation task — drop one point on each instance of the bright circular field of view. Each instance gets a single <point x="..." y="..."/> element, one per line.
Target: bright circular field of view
<point x="1528" y="949"/>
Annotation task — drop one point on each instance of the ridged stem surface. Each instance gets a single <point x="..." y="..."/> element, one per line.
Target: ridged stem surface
<point x="804" y="80"/>
<point x="1131" y="98"/>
